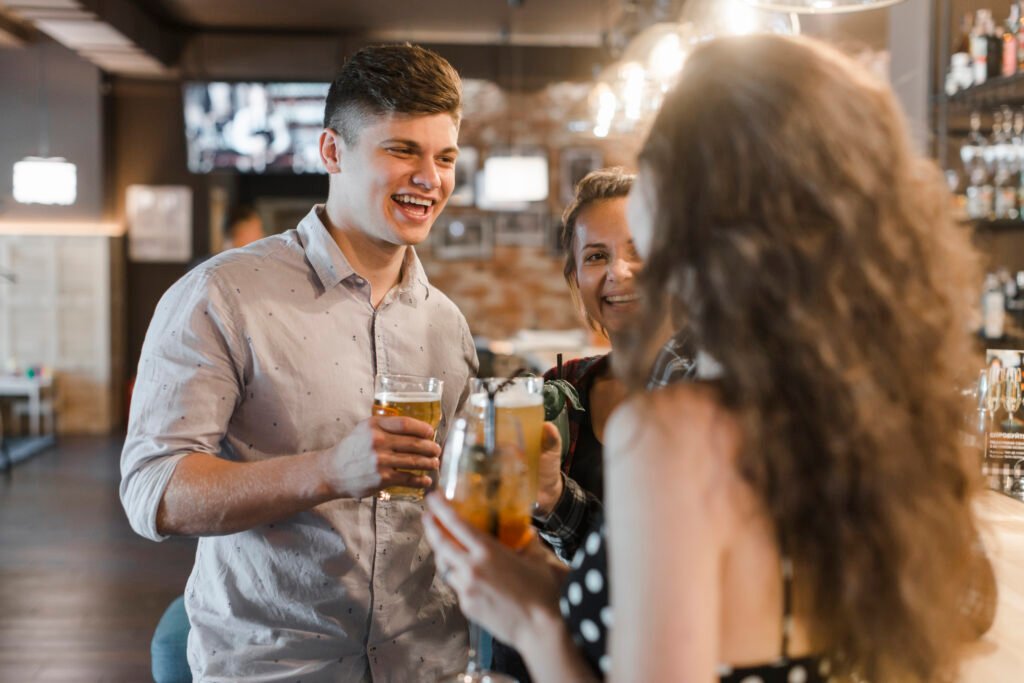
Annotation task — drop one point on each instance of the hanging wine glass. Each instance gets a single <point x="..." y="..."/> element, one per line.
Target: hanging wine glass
<point x="1012" y="399"/>
<point x="994" y="397"/>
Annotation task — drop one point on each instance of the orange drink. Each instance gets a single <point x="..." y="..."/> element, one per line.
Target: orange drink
<point x="519" y="408"/>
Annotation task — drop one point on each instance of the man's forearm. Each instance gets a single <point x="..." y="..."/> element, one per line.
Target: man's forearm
<point x="210" y="496"/>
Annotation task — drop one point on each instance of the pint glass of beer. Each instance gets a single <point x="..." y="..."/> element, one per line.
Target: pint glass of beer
<point x="408" y="396"/>
<point x="519" y="404"/>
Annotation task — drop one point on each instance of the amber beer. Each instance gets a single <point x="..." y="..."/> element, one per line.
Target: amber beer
<point x="497" y="503"/>
<point x="408" y="396"/>
<point x="519" y="410"/>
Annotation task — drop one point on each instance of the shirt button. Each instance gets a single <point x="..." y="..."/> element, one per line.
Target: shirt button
<point x="360" y="281"/>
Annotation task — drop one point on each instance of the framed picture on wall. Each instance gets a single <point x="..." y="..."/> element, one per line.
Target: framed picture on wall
<point x="464" y="193"/>
<point x="159" y="223"/>
<point x="463" y="236"/>
<point x="521" y="229"/>
<point x="574" y="164"/>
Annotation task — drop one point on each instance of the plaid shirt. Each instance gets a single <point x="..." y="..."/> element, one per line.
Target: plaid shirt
<point x="568" y="522"/>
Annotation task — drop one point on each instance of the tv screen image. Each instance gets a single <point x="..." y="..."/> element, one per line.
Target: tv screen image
<point x="254" y="127"/>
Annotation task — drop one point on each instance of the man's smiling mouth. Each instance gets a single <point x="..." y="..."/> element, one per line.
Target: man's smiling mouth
<point x="416" y="207"/>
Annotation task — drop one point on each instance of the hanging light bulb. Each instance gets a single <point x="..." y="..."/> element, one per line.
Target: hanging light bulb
<point x="820" y="6"/>
<point x="710" y="19"/>
<point x="630" y="91"/>
<point x="633" y="79"/>
<point x="604" y="105"/>
<point x="44" y="179"/>
<point x="661" y="49"/>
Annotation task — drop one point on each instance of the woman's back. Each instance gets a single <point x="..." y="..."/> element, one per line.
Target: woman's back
<point x="705" y="527"/>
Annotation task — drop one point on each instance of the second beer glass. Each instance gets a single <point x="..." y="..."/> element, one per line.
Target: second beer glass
<point x="520" y="411"/>
<point x="408" y="396"/>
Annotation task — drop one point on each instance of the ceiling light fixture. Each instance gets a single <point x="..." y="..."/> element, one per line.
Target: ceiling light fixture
<point x="820" y="6"/>
<point x="44" y="179"/>
<point x="629" y="92"/>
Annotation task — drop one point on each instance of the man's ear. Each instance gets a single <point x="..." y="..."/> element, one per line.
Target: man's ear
<point x="330" y="150"/>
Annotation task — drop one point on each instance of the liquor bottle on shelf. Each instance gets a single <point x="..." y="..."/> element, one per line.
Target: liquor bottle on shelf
<point x="1004" y="176"/>
<point x="979" y="46"/>
<point x="1019" y="31"/>
<point x="963" y="42"/>
<point x="961" y="71"/>
<point x="973" y="152"/>
<point x="993" y="308"/>
<point x="1009" y="46"/>
<point x="995" y="48"/>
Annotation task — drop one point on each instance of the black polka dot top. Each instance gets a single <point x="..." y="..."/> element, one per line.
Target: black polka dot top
<point x="585" y="608"/>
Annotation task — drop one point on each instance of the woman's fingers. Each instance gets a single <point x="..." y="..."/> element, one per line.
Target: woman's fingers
<point x="476" y="544"/>
<point x="550" y="438"/>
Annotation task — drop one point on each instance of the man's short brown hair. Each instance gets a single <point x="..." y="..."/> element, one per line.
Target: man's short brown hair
<point x="391" y="79"/>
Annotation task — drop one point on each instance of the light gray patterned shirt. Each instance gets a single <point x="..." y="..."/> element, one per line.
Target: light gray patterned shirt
<point x="271" y="350"/>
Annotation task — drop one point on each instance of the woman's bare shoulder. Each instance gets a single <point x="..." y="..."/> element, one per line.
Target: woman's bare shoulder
<point x="681" y="416"/>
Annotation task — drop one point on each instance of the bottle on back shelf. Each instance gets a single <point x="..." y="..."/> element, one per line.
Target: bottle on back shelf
<point x="979" y="46"/>
<point x="993" y="308"/>
<point x="1004" y="177"/>
<point x="1009" y="47"/>
<point x="961" y="72"/>
<point x="973" y="153"/>
<point x="963" y="41"/>
<point x="1019" y="31"/>
<point x="995" y="48"/>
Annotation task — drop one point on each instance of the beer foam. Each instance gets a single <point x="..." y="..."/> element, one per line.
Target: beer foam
<point x="508" y="399"/>
<point x="386" y="397"/>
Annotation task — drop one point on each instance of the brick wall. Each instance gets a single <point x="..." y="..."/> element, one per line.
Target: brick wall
<point x="513" y="287"/>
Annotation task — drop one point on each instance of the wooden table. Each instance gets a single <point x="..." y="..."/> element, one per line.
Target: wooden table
<point x="31" y="388"/>
<point x="999" y="658"/>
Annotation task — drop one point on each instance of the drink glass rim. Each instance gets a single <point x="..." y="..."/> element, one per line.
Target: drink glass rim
<point x="402" y="377"/>
<point x="509" y="381"/>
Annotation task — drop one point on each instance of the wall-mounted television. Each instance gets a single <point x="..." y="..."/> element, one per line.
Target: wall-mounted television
<point x="254" y="127"/>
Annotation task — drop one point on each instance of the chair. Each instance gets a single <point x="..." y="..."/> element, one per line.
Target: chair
<point x="169" y="647"/>
<point x="45" y="412"/>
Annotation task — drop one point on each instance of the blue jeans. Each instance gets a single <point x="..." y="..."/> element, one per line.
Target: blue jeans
<point x="168" y="650"/>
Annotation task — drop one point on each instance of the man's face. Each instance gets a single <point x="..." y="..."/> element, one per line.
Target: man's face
<point x="396" y="177"/>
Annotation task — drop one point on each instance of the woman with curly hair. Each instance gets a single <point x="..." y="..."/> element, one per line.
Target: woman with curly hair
<point x="802" y="513"/>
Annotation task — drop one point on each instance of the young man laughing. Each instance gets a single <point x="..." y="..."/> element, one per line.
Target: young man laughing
<point x="249" y="425"/>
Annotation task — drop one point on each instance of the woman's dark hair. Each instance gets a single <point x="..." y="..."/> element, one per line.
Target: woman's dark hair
<point x="596" y="186"/>
<point x="391" y="79"/>
<point x="814" y="255"/>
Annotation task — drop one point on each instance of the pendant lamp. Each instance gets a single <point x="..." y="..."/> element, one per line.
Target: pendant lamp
<point x="820" y="6"/>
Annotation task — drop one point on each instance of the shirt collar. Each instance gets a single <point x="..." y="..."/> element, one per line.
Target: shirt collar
<point x="331" y="266"/>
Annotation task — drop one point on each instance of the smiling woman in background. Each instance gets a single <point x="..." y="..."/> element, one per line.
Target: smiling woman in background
<point x="601" y="267"/>
<point x="802" y="513"/>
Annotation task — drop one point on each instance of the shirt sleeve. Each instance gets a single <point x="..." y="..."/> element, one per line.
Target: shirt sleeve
<point x="188" y="384"/>
<point x="570" y="519"/>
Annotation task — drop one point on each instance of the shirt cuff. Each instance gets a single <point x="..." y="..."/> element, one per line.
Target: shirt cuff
<point x="572" y="495"/>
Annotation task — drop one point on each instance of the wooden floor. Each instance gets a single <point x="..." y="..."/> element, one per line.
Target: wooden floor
<point x="80" y="593"/>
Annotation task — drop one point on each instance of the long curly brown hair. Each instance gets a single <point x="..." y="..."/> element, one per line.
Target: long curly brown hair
<point x="813" y="254"/>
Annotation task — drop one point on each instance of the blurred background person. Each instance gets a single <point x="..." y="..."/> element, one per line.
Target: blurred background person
<point x="243" y="226"/>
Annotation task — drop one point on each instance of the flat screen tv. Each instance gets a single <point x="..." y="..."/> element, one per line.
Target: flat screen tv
<point x="254" y="127"/>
